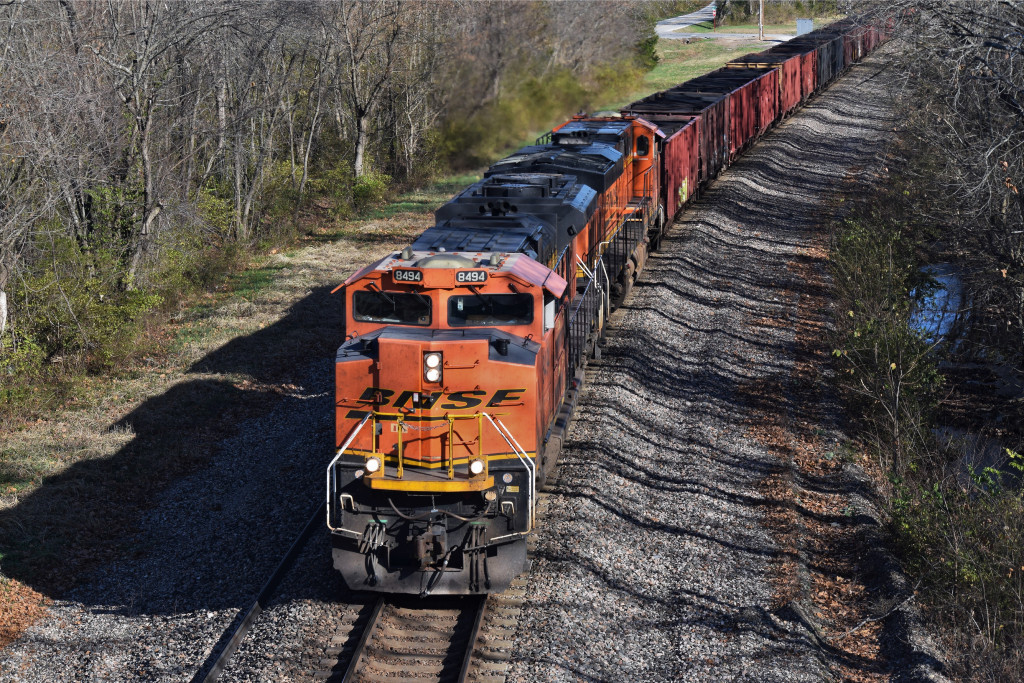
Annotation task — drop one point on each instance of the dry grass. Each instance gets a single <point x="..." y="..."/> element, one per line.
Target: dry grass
<point x="225" y="360"/>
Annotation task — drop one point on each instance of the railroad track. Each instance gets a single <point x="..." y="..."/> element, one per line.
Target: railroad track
<point x="393" y="638"/>
<point x="383" y="639"/>
<point x="397" y="638"/>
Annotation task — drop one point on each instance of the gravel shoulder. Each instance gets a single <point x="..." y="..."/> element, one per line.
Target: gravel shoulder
<point x="662" y="557"/>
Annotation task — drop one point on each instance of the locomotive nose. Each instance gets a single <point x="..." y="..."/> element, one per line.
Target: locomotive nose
<point x="429" y="366"/>
<point x="430" y="381"/>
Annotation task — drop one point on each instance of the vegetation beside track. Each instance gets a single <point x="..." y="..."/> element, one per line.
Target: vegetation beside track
<point x="925" y="407"/>
<point x="955" y="522"/>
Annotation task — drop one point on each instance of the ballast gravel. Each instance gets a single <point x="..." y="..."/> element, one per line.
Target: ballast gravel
<point x="201" y="555"/>
<point x="653" y="562"/>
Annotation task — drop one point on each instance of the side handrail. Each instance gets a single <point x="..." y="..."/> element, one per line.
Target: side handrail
<point x="331" y="484"/>
<point x="530" y="465"/>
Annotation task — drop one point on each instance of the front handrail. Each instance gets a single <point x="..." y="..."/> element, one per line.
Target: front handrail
<point x="503" y="431"/>
<point x="531" y="466"/>
<point x="400" y="418"/>
<point x="332" y="485"/>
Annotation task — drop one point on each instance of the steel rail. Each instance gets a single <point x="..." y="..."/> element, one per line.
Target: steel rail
<point x="361" y="657"/>
<point x="234" y="635"/>
<point x="364" y="640"/>
<point x="478" y="620"/>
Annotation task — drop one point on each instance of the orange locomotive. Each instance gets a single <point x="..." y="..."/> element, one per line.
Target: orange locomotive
<point x="463" y="352"/>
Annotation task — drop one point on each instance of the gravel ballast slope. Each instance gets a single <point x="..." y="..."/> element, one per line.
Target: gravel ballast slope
<point x="654" y="562"/>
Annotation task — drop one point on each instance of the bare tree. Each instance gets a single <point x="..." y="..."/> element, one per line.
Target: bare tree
<point x="367" y="33"/>
<point x="968" y="62"/>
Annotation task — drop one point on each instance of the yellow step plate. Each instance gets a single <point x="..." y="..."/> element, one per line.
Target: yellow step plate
<point x="434" y="486"/>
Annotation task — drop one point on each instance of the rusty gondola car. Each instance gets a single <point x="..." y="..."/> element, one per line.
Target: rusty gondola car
<point x="464" y="352"/>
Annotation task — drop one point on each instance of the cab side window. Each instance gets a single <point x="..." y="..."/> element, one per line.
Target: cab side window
<point x="643" y="146"/>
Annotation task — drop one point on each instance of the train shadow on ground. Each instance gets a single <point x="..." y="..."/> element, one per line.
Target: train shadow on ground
<point x="135" y="532"/>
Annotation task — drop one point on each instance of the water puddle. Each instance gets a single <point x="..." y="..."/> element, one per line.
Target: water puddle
<point x="936" y="313"/>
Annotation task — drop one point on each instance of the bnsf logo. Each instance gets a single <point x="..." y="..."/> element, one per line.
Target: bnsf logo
<point x="456" y="400"/>
<point x="469" y="276"/>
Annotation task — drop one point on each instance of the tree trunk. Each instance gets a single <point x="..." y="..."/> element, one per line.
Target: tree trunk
<point x="150" y="204"/>
<point x="6" y="268"/>
<point x="308" y="144"/>
<point x="3" y="309"/>
<point x="362" y="133"/>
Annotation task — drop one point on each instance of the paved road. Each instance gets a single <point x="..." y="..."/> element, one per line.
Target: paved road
<point x="666" y="27"/>
<point x="674" y="28"/>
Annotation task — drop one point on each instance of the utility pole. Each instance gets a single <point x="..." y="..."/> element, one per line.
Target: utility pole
<point x="760" y="21"/>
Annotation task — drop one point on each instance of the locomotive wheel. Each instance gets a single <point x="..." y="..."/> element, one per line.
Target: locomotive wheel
<point x="623" y="285"/>
<point x="547" y="460"/>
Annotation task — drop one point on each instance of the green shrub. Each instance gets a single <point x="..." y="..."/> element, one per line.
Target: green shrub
<point x="958" y="528"/>
<point x="886" y="368"/>
<point x="335" y="184"/>
<point x="647" y="52"/>
<point x="76" y="307"/>
<point x="217" y="211"/>
<point x="370" y="191"/>
<point x="531" y="105"/>
<point x="965" y="540"/>
<point x="21" y="360"/>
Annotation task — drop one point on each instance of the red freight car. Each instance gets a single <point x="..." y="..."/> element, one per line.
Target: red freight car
<point x="680" y="155"/>
<point x="712" y="134"/>
<point x="789" y="75"/>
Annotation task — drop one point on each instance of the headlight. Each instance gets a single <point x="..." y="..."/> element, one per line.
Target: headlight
<point x="432" y="367"/>
<point x="372" y="465"/>
<point x="476" y="466"/>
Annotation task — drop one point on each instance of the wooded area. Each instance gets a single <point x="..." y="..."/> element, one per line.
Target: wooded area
<point x="746" y="11"/>
<point x="943" y="413"/>
<point x="147" y="147"/>
<point x="968" y="64"/>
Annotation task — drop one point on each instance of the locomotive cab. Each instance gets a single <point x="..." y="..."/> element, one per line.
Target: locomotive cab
<point x="445" y="376"/>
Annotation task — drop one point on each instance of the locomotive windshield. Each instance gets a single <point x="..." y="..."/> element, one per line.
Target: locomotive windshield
<point x="490" y="309"/>
<point x="401" y="308"/>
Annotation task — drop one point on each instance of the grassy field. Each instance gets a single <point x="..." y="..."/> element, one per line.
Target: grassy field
<point x="680" y="61"/>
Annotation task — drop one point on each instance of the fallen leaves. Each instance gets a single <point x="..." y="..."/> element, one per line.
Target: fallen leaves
<point x="20" y="607"/>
